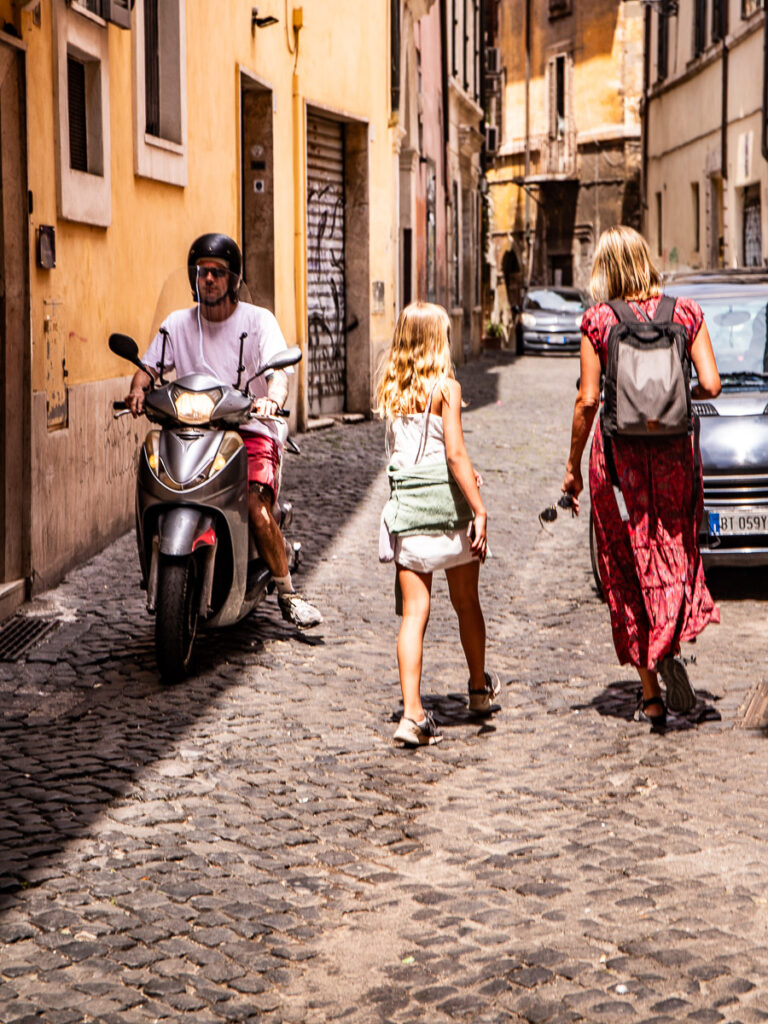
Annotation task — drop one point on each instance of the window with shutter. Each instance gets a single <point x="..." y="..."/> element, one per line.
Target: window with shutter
<point x="81" y="99"/>
<point x="719" y="20"/>
<point x="662" y="47"/>
<point x="699" y="26"/>
<point x="78" y="132"/>
<point x="151" y="69"/>
<point x="558" y="90"/>
<point x="159" y="67"/>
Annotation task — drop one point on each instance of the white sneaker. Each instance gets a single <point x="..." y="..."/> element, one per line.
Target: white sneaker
<point x="481" y="701"/>
<point x="418" y="734"/>
<point x="298" y="611"/>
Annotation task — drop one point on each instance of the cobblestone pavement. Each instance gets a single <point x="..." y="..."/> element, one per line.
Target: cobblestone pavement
<point x="250" y="845"/>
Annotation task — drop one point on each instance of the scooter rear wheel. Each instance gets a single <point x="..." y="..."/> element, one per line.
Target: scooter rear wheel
<point x="176" y="617"/>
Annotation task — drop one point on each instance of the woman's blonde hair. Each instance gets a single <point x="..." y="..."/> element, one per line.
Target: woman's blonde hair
<point x="419" y="356"/>
<point x="623" y="268"/>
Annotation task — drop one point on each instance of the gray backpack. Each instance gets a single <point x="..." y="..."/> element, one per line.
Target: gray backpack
<point x="647" y="390"/>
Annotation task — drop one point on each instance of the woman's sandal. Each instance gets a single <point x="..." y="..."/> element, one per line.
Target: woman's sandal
<point x="658" y="721"/>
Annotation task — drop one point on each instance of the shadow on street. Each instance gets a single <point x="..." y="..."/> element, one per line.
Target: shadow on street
<point x="86" y="712"/>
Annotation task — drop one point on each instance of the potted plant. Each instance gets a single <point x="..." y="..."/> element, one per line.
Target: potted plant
<point x="495" y="334"/>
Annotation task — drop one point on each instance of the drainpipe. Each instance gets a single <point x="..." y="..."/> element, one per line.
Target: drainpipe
<point x="300" y="246"/>
<point x="764" y="141"/>
<point x="724" y="112"/>
<point x="644" y="126"/>
<point x="446" y="104"/>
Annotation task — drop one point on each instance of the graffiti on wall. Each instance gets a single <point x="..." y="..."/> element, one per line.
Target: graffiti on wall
<point x="326" y="297"/>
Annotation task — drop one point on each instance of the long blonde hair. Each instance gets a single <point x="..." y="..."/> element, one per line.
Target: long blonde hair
<point x="420" y="356"/>
<point x="623" y="268"/>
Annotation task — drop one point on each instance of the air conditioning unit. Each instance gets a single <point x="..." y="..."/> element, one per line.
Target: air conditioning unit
<point x="492" y="60"/>
<point x="491" y="138"/>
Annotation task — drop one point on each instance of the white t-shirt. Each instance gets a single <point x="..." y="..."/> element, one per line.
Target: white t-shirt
<point x="197" y="345"/>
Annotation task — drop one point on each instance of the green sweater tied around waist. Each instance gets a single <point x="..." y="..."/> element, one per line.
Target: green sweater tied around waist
<point x="425" y="499"/>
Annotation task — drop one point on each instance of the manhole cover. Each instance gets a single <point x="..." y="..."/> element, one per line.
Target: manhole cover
<point x="21" y="632"/>
<point x="756" y="708"/>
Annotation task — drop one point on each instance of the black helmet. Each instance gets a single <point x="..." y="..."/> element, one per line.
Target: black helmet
<point x="214" y="246"/>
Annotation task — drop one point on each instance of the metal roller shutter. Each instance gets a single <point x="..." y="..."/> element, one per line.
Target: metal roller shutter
<point x="326" y="279"/>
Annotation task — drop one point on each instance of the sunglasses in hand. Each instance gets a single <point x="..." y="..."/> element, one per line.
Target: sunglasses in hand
<point x="549" y="515"/>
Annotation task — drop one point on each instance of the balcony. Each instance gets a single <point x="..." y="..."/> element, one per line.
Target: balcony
<point x="558" y="155"/>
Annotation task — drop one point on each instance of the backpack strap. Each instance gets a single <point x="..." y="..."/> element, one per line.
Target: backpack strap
<point x="624" y="312"/>
<point x="665" y="309"/>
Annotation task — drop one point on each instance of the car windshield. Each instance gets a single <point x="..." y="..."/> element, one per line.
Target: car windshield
<point x="737" y="328"/>
<point x="556" y="300"/>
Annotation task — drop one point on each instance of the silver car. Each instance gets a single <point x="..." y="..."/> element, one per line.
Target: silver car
<point x="734" y="426"/>
<point x="549" y="319"/>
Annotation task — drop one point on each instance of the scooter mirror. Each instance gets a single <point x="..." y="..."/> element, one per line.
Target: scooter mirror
<point x="289" y="357"/>
<point x="124" y="346"/>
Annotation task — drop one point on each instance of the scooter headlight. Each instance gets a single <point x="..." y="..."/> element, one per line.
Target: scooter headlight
<point x="194" y="407"/>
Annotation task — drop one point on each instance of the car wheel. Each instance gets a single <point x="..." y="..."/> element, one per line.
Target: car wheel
<point x="518" y="340"/>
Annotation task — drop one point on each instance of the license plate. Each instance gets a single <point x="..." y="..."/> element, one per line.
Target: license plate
<point x="557" y="339"/>
<point x="738" y="522"/>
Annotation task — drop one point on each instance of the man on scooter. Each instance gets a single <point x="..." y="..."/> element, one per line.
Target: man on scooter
<point x="206" y="339"/>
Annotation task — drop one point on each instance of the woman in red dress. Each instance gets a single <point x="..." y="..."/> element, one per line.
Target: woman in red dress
<point x="650" y="565"/>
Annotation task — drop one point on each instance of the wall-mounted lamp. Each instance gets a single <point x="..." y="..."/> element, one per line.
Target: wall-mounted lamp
<point x="257" y="22"/>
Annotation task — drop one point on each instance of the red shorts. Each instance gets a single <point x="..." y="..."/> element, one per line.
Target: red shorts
<point x="263" y="460"/>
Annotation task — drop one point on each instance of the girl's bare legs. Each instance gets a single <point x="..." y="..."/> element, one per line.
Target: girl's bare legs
<point x="416" y="588"/>
<point x="462" y="585"/>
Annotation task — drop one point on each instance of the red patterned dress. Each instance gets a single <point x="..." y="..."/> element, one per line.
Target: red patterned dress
<point x="650" y="566"/>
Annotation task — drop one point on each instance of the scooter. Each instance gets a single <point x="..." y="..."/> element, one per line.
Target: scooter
<point x="199" y="562"/>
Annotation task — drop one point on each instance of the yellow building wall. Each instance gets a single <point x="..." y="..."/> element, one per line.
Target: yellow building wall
<point x="108" y="279"/>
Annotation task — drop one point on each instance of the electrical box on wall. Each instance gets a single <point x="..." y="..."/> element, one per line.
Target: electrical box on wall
<point x="46" y="247"/>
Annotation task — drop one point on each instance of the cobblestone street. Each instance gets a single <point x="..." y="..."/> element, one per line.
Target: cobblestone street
<point x="251" y="845"/>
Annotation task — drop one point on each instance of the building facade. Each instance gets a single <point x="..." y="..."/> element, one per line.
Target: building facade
<point x="127" y="130"/>
<point x="706" y="147"/>
<point x="563" y="90"/>
<point x="438" y="114"/>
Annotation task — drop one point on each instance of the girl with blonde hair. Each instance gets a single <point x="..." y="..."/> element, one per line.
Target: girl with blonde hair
<point x="648" y="554"/>
<point x="435" y="517"/>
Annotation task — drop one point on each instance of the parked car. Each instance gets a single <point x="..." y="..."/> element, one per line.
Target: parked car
<point x="549" y="319"/>
<point x="734" y="426"/>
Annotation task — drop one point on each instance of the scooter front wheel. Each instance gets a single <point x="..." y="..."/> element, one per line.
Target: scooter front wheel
<point x="176" y="616"/>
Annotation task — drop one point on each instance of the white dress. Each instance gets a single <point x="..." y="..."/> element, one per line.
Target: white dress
<point x="420" y="438"/>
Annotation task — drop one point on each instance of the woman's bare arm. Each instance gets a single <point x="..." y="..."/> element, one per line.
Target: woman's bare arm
<point x="703" y="358"/>
<point x="587" y="404"/>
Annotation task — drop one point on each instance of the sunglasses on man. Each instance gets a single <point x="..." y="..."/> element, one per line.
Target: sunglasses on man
<point x="217" y="273"/>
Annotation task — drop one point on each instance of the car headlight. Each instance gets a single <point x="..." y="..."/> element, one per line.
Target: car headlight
<point x="577" y="320"/>
<point x="527" y="319"/>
